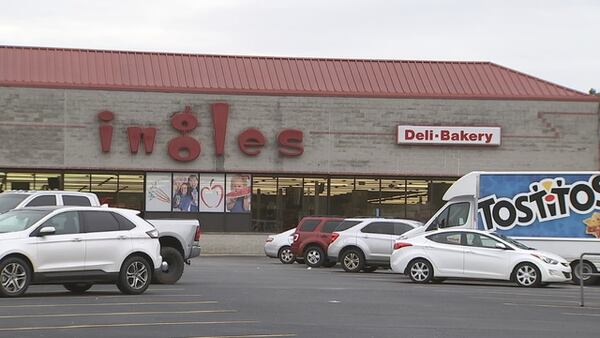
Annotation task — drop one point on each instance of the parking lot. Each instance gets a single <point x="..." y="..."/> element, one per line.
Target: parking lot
<point x="260" y="297"/>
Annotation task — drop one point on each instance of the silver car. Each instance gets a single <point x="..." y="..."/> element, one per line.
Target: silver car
<point x="367" y="243"/>
<point x="279" y="246"/>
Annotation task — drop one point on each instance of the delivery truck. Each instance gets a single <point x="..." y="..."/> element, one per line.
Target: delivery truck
<point x="558" y="212"/>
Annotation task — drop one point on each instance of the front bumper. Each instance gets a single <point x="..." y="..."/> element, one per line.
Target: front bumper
<point x="556" y="273"/>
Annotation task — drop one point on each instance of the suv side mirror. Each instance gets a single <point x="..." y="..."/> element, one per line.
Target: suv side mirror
<point x="47" y="231"/>
<point x="501" y="246"/>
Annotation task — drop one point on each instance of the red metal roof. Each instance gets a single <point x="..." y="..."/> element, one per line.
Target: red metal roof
<point x="189" y="73"/>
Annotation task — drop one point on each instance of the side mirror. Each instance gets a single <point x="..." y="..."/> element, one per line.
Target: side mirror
<point x="47" y="231"/>
<point x="501" y="246"/>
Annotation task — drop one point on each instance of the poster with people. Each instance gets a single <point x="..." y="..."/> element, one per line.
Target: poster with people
<point x="158" y="192"/>
<point x="212" y="193"/>
<point x="239" y="193"/>
<point x="185" y="192"/>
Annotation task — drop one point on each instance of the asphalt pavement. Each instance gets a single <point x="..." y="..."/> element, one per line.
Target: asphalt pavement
<point x="260" y="297"/>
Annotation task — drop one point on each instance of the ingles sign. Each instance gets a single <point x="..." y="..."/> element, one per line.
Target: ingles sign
<point x="480" y="136"/>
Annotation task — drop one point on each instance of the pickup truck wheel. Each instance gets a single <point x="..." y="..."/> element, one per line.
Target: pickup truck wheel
<point x="175" y="269"/>
<point x="78" y="287"/>
<point x="135" y="275"/>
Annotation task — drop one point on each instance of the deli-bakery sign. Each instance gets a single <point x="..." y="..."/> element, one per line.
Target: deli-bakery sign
<point x="452" y="135"/>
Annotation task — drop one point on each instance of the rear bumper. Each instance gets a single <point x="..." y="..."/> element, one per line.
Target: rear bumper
<point x="195" y="252"/>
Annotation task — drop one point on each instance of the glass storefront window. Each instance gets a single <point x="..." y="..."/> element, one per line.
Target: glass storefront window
<point x="340" y="194"/>
<point x="77" y="182"/>
<point x="393" y="198"/>
<point x="365" y="197"/>
<point x="2" y="181"/>
<point x="264" y="204"/>
<point x="289" y="203"/>
<point x="314" y="196"/>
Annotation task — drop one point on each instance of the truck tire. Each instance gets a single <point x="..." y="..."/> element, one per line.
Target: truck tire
<point x="587" y="268"/>
<point x="176" y="265"/>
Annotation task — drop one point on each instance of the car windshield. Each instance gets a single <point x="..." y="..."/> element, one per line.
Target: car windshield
<point x="513" y="242"/>
<point x="18" y="220"/>
<point x="10" y="201"/>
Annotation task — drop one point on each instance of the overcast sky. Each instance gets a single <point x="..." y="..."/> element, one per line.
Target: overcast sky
<point x="556" y="40"/>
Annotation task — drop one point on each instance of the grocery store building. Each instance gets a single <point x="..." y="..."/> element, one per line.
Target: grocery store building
<point x="249" y="145"/>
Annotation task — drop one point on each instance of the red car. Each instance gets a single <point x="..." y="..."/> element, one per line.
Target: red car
<point x="312" y="237"/>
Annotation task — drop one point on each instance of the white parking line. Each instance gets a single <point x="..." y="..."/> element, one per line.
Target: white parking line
<point x="582" y="314"/>
<point x="252" y="336"/>
<point x="504" y="299"/>
<point x="115" y="314"/>
<point x="107" y="304"/>
<point x="93" y="326"/>
<point x="552" y="306"/>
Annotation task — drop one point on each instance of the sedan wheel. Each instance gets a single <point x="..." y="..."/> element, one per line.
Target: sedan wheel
<point x="14" y="277"/>
<point x="353" y="260"/>
<point x="527" y="275"/>
<point x="286" y="256"/>
<point x="420" y="271"/>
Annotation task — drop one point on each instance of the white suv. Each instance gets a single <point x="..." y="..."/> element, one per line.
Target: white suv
<point x="76" y="247"/>
<point x="366" y="243"/>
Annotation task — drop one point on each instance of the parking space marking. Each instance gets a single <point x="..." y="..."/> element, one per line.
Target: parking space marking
<point x="108" y="304"/>
<point x="504" y="299"/>
<point x="252" y="336"/>
<point x="553" y="306"/>
<point x="582" y="314"/>
<point x="91" y="295"/>
<point x="115" y="314"/>
<point x="95" y="326"/>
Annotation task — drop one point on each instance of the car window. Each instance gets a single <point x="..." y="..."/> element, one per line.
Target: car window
<point x="99" y="221"/>
<point x="454" y="215"/>
<point x="41" y="201"/>
<point x="400" y="228"/>
<point x="481" y="241"/>
<point x="309" y="225"/>
<point x="10" y="201"/>
<point x="65" y="223"/>
<point x="386" y="228"/>
<point x="345" y="225"/>
<point x="18" y="220"/>
<point x="329" y="226"/>
<point x="124" y="223"/>
<point x="446" y="238"/>
<point x="76" y="200"/>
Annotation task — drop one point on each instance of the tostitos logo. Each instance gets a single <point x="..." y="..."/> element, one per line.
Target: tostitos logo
<point x="546" y="200"/>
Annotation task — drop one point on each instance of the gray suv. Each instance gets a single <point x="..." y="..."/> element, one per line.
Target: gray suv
<point x="366" y="243"/>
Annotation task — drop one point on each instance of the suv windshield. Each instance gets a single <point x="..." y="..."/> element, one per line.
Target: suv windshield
<point x="18" y="220"/>
<point x="10" y="201"/>
<point x="345" y="225"/>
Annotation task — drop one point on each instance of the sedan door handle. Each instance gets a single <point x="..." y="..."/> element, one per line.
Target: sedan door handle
<point x="76" y="240"/>
<point x="468" y="251"/>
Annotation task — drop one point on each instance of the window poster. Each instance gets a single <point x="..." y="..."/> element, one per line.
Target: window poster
<point x="158" y="192"/>
<point x="212" y="193"/>
<point x="185" y="192"/>
<point x="239" y="193"/>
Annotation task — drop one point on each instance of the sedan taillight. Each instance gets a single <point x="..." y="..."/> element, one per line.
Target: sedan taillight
<point x="334" y="236"/>
<point x="400" y="245"/>
<point x="269" y="239"/>
<point x="295" y="237"/>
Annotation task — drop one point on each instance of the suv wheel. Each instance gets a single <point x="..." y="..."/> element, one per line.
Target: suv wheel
<point x="420" y="271"/>
<point x="353" y="260"/>
<point x="78" y="287"/>
<point x="135" y="275"/>
<point x="15" y="276"/>
<point x="314" y="256"/>
<point x="286" y="256"/>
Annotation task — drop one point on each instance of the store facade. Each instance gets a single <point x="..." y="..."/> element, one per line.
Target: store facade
<point x="251" y="144"/>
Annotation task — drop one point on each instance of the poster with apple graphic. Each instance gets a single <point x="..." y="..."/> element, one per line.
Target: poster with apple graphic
<point x="212" y="193"/>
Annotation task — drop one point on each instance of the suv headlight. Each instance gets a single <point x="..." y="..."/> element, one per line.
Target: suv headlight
<point x="545" y="259"/>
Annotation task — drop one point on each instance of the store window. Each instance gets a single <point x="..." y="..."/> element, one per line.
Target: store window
<point x="32" y="181"/>
<point x="314" y="201"/>
<point x="290" y="201"/>
<point x="365" y="197"/>
<point x="77" y="182"/>
<point x="340" y="195"/>
<point x="393" y="198"/>
<point x="264" y="204"/>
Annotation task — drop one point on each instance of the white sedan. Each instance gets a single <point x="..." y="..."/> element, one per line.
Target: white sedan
<point x="279" y="246"/>
<point x="460" y="253"/>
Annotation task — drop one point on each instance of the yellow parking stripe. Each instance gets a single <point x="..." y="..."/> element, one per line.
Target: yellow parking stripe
<point x="115" y="314"/>
<point x="94" y="326"/>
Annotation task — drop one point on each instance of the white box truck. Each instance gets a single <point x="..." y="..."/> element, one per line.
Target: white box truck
<point x="558" y="212"/>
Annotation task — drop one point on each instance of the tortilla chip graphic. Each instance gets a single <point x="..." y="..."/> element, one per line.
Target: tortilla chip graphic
<point x="593" y="225"/>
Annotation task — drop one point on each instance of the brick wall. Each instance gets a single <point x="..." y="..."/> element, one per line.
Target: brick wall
<point x="53" y="128"/>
